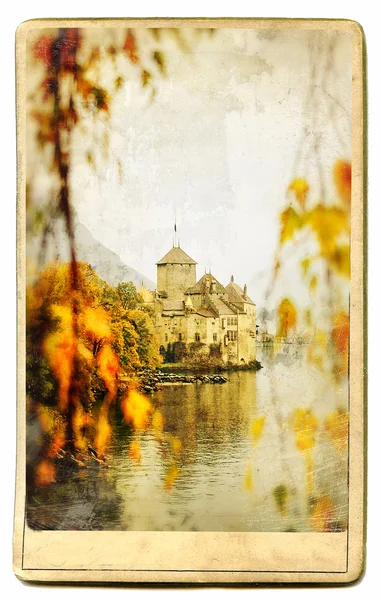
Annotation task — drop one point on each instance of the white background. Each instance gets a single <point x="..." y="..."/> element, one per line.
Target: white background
<point x="365" y="13"/>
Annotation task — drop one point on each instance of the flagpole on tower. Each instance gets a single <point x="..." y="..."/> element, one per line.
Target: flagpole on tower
<point x="175" y="230"/>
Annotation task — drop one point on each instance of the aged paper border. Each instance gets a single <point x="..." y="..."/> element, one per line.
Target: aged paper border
<point x="174" y="557"/>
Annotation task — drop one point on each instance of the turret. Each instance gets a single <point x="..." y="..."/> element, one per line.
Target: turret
<point x="189" y="305"/>
<point x="176" y="272"/>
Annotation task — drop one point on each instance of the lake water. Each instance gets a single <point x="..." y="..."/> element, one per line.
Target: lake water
<point x="220" y="480"/>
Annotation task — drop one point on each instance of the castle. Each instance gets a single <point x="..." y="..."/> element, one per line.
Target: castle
<point x="202" y="318"/>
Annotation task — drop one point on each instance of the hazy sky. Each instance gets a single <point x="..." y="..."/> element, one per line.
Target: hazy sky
<point x="232" y="123"/>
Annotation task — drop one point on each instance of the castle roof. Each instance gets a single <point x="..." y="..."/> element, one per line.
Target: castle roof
<point x="203" y="285"/>
<point x="173" y="308"/>
<point x="146" y="294"/>
<point x="221" y="307"/>
<point x="236" y="294"/>
<point x="176" y="256"/>
<point x="207" y="312"/>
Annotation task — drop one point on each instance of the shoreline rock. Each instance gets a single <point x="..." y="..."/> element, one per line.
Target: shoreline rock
<point x="151" y="381"/>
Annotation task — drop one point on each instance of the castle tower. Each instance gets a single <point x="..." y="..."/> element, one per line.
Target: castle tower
<point x="176" y="272"/>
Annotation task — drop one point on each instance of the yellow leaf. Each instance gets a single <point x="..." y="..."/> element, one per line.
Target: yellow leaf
<point x="315" y="358"/>
<point x="171" y="476"/>
<point x="136" y="409"/>
<point x="305" y="264"/>
<point x="257" y="427"/>
<point x="248" y="483"/>
<point x="157" y="422"/>
<point x="322" y="513"/>
<point x="290" y="222"/>
<point x="328" y="223"/>
<point x="305" y="427"/>
<point x="337" y="426"/>
<point x="340" y="366"/>
<point x="321" y="338"/>
<point x="286" y="317"/>
<point x="176" y="445"/>
<point x="313" y="283"/>
<point x="95" y="323"/>
<point x="340" y="260"/>
<point x="300" y="187"/>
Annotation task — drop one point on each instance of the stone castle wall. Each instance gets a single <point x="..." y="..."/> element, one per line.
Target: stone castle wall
<point x="175" y="279"/>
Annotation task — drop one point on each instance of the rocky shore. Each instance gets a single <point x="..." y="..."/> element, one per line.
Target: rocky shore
<point x="150" y="381"/>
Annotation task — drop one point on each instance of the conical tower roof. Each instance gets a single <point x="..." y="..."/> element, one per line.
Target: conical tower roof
<point x="176" y="256"/>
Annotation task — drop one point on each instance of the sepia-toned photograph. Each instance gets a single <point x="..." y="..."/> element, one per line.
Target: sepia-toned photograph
<point x="187" y="278"/>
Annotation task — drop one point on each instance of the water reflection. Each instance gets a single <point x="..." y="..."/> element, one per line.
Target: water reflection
<point x="210" y="493"/>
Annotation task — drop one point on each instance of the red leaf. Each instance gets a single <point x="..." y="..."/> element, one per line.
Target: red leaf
<point x="130" y="47"/>
<point x="42" y="50"/>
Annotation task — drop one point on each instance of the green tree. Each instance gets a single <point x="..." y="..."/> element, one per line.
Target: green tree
<point x="127" y="295"/>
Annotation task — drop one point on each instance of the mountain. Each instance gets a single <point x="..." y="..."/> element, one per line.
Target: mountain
<point x="104" y="261"/>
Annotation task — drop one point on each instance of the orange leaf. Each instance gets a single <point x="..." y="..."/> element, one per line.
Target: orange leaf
<point x="45" y="473"/>
<point x="342" y="174"/>
<point x="130" y="47"/>
<point x="134" y="451"/>
<point x="42" y="49"/>
<point x="340" y="332"/>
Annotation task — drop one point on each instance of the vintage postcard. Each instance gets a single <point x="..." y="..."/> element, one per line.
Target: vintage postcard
<point x="191" y="301"/>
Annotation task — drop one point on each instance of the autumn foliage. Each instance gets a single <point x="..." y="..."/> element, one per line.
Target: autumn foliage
<point x="74" y="361"/>
<point x="322" y="226"/>
<point x="83" y="336"/>
<point x="327" y="225"/>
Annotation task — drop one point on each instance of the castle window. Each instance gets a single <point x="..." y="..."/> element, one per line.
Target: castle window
<point x="166" y="337"/>
<point x="197" y="337"/>
<point x="180" y="337"/>
<point x="214" y="337"/>
<point x="232" y="335"/>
